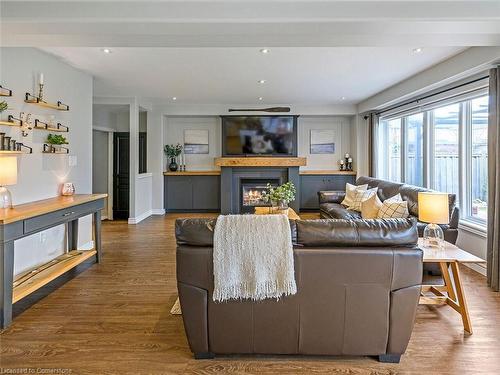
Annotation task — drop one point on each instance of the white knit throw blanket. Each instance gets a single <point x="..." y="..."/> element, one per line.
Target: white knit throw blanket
<point x="253" y="257"/>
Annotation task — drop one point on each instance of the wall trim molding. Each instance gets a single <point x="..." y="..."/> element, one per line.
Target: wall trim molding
<point x="476" y="267"/>
<point x="158" y="211"/>
<point x="473" y="228"/>
<point x="141" y="217"/>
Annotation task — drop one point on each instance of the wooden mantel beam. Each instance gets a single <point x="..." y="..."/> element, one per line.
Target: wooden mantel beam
<point x="261" y="162"/>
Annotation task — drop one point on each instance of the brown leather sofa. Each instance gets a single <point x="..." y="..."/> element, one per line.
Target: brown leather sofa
<point x="330" y="207"/>
<point x="358" y="287"/>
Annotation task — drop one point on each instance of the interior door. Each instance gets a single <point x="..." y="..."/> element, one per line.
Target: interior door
<point x="121" y="175"/>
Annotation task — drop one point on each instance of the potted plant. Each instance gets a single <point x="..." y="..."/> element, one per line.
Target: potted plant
<point x="172" y="151"/>
<point x="3" y="106"/>
<point x="279" y="196"/>
<point x="55" y="141"/>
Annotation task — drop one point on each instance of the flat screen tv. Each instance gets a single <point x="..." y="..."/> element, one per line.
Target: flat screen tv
<point x="259" y="135"/>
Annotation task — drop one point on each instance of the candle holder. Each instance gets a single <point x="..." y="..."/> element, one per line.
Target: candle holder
<point x="40" y="91"/>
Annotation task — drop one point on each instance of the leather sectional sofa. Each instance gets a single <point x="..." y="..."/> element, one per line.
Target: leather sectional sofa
<point x="358" y="288"/>
<point x="331" y="207"/>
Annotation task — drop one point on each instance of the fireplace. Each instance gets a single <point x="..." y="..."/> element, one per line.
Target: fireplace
<point x="242" y="187"/>
<point x="251" y="194"/>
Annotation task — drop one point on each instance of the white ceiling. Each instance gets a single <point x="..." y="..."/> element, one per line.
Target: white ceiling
<point x="230" y="75"/>
<point x="207" y="51"/>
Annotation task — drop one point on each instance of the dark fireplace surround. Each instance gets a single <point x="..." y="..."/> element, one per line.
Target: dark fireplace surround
<point x="234" y="179"/>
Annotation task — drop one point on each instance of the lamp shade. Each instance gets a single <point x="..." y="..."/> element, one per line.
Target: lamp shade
<point x="8" y="170"/>
<point x="433" y="208"/>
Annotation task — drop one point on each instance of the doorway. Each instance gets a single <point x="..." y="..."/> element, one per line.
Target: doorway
<point x="121" y="175"/>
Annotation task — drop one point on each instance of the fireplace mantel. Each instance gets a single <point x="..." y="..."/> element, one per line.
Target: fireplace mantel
<point x="260" y="162"/>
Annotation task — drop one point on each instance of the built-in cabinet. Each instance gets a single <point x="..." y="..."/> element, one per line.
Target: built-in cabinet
<point x="310" y="184"/>
<point x="192" y="193"/>
<point x="200" y="191"/>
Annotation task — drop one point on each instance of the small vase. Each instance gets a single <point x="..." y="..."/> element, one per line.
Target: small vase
<point x="173" y="165"/>
<point x="279" y="207"/>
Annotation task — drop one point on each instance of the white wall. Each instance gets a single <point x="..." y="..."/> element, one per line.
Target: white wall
<point x="474" y="242"/>
<point x="339" y="124"/>
<point x="41" y="175"/>
<point x="174" y="133"/>
<point x="100" y="166"/>
<point x="174" y="127"/>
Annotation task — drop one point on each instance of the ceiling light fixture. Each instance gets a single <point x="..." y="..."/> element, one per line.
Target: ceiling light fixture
<point x="342" y="98"/>
<point x="106" y="50"/>
<point x="261" y="81"/>
<point x="174" y="98"/>
<point x="417" y="50"/>
<point x="264" y="50"/>
<point x="260" y="98"/>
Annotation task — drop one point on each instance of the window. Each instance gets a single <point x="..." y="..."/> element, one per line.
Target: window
<point x="394" y="149"/>
<point x="389" y="146"/>
<point x="479" y="158"/>
<point x="414" y="171"/>
<point x="444" y="148"/>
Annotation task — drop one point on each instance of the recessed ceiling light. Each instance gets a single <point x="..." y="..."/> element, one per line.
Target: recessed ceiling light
<point x="174" y="98"/>
<point x="106" y="50"/>
<point x="261" y="81"/>
<point x="264" y="50"/>
<point x="260" y="98"/>
<point x="417" y="50"/>
<point x="342" y="98"/>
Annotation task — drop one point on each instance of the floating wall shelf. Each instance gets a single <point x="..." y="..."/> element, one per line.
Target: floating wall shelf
<point x="47" y="149"/>
<point x="9" y="123"/>
<point x="12" y="121"/>
<point x="36" y="100"/>
<point x="44" y="126"/>
<point x="5" y="92"/>
<point x="27" y="150"/>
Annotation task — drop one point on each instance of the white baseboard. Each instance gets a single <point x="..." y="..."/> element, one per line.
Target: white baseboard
<point x="476" y="267"/>
<point x="138" y="219"/>
<point x="158" y="211"/>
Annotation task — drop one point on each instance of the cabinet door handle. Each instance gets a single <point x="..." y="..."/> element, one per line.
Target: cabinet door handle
<point x="68" y="213"/>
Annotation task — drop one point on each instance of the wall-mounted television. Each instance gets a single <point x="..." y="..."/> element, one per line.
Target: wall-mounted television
<point x="259" y="135"/>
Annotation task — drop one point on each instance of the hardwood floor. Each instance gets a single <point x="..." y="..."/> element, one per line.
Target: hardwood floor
<point x="113" y="318"/>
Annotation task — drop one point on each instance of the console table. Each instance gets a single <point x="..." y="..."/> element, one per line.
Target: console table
<point x="27" y="219"/>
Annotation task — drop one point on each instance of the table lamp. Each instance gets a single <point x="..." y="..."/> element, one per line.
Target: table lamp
<point x="8" y="176"/>
<point x="433" y="208"/>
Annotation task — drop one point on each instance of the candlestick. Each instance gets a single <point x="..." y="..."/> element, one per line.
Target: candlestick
<point x="40" y="91"/>
<point x="41" y="79"/>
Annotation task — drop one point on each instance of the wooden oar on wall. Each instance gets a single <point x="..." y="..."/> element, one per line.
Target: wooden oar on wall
<point x="271" y="109"/>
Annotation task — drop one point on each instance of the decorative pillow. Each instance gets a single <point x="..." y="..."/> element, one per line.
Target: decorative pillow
<point x="370" y="207"/>
<point x="396" y="198"/>
<point x="350" y="192"/>
<point x="360" y="197"/>
<point x="393" y="209"/>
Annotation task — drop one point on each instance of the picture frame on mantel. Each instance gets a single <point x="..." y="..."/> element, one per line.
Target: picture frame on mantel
<point x="322" y="141"/>
<point x="196" y="141"/>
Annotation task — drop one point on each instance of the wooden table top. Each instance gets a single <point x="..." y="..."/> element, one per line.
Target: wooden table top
<point x="265" y="211"/>
<point x="450" y="253"/>
<point x="44" y="206"/>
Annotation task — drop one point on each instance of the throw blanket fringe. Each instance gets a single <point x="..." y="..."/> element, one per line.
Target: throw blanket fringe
<point x="253" y="258"/>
